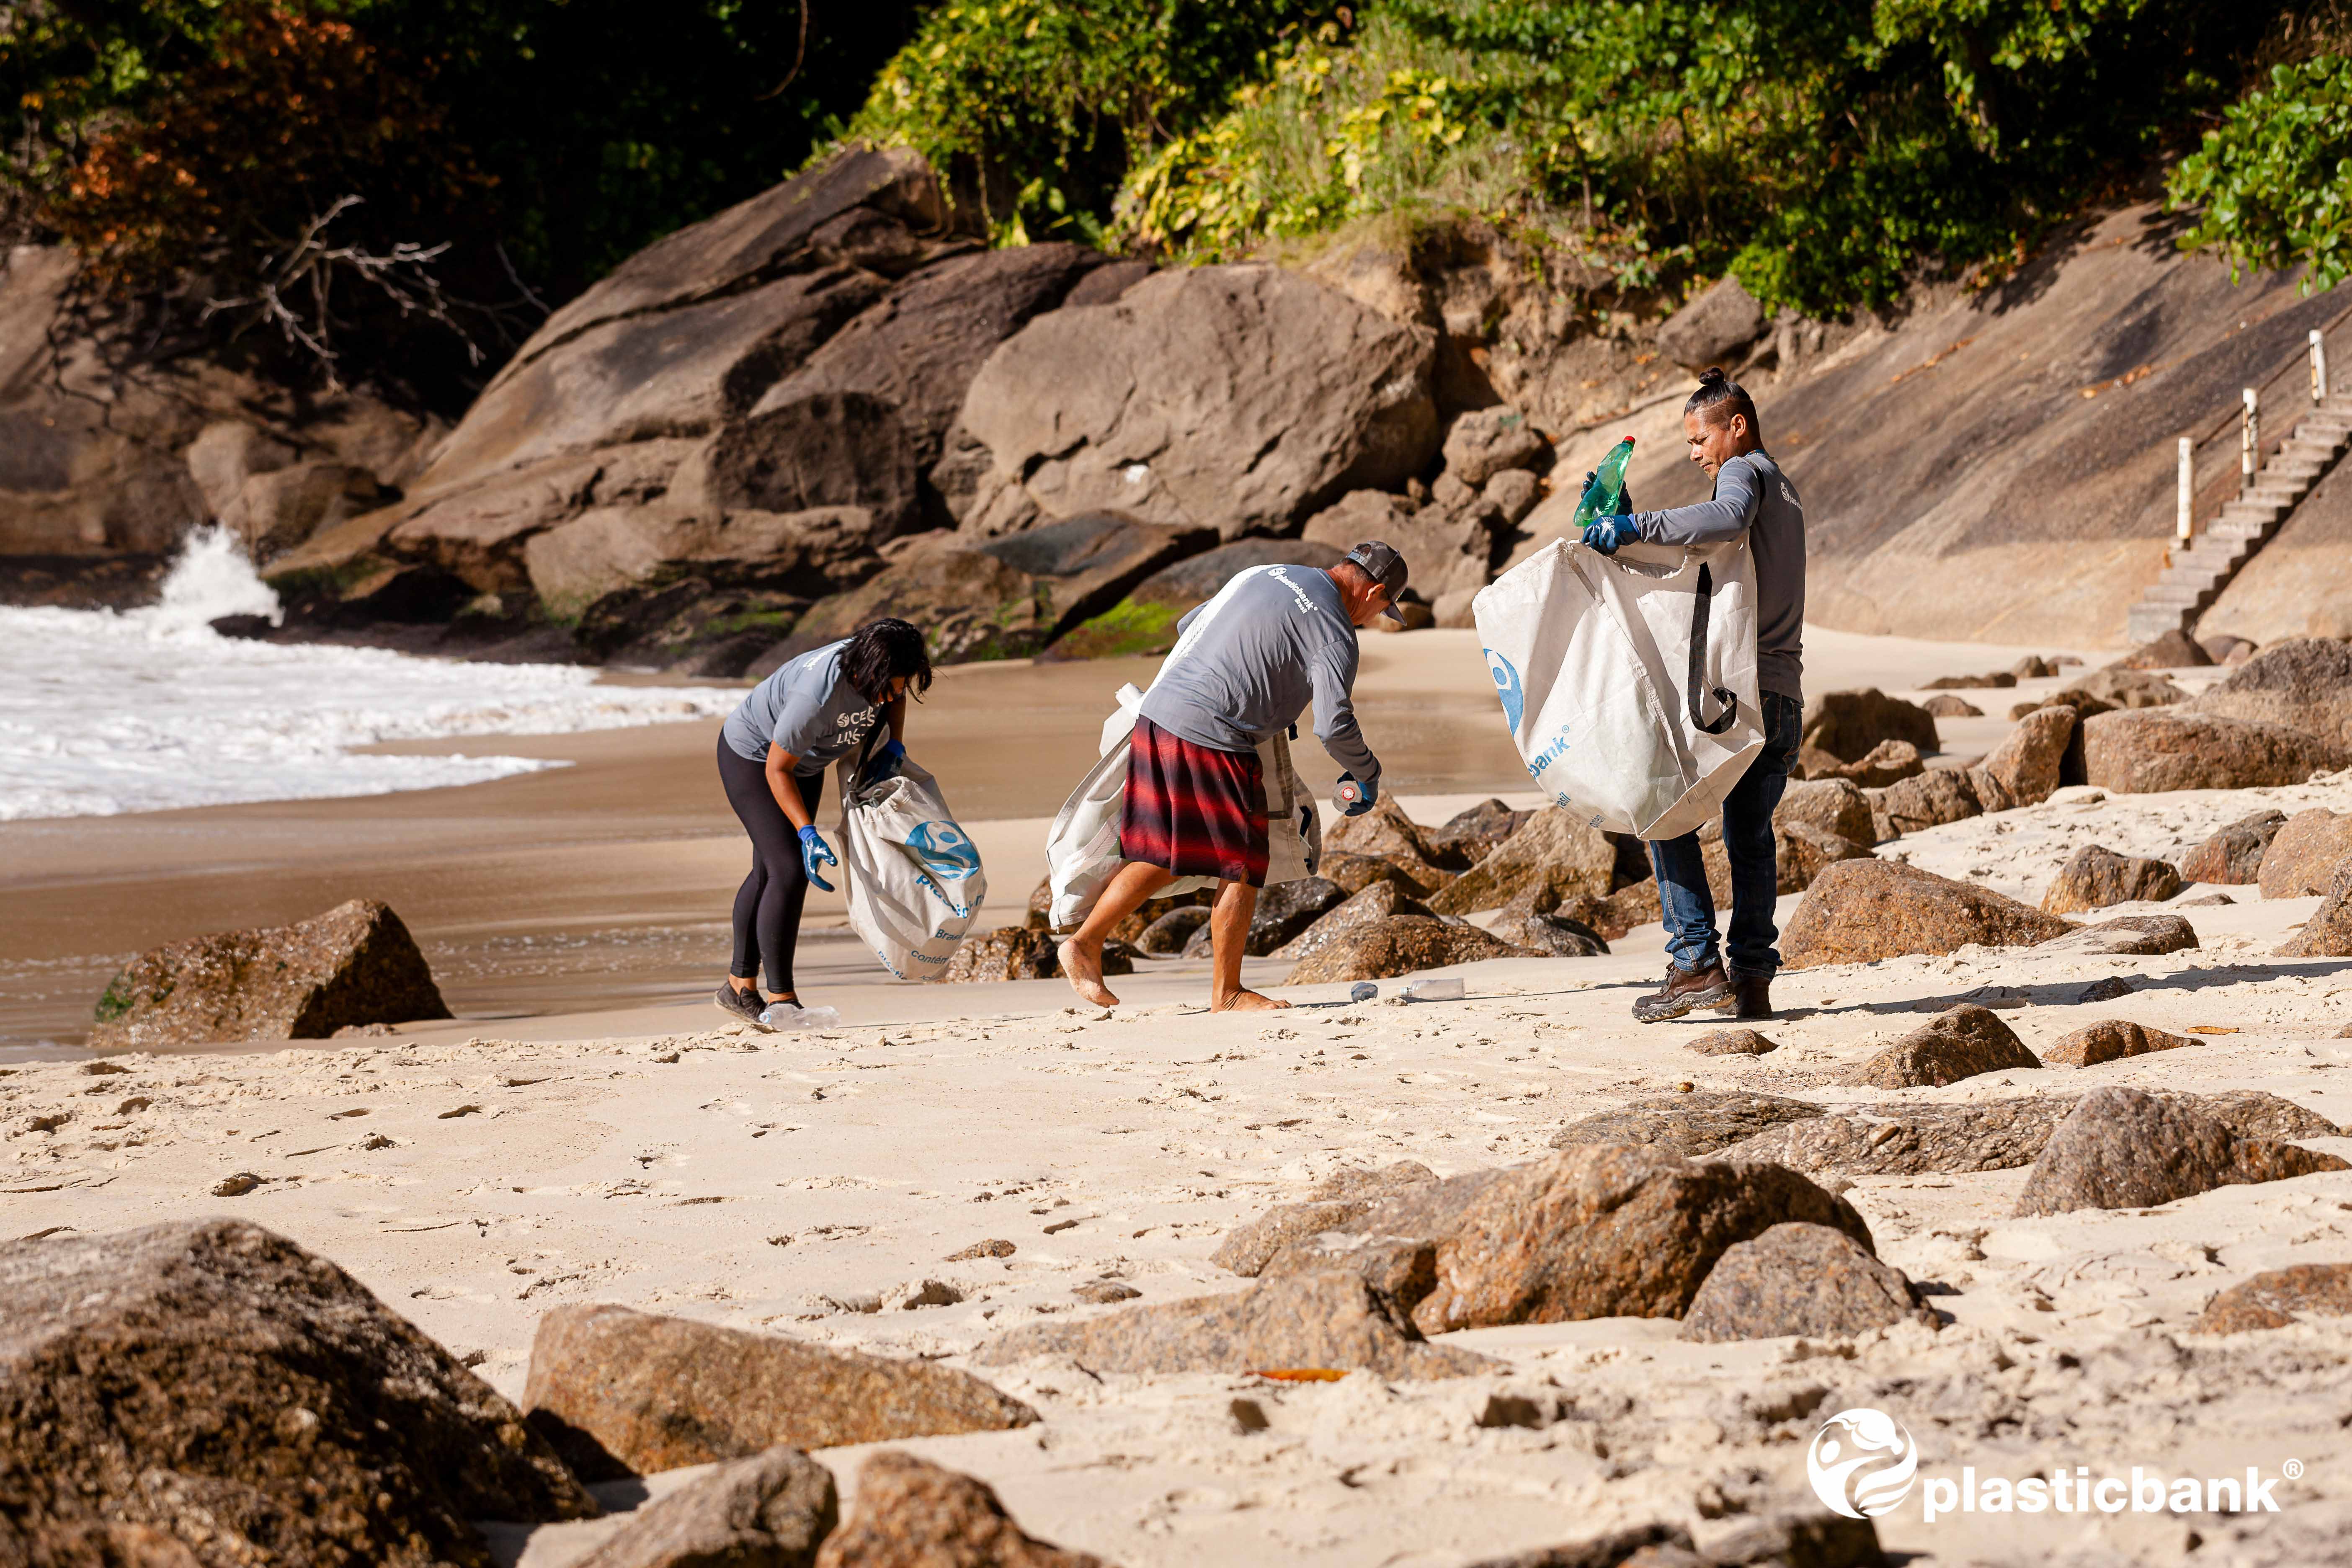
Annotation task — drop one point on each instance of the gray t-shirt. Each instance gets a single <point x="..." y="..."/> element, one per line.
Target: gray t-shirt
<point x="1753" y="494"/>
<point x="806" y="707"/>
<point x="1279" y="637"/>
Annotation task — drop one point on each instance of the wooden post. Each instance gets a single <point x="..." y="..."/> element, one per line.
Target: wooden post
<point x="2187" y="519"/>
<point x="2249" y="440"/>
<point x="2318" y="368"/>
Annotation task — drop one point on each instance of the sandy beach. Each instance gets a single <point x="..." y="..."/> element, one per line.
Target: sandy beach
<point x="589" y="1130"/>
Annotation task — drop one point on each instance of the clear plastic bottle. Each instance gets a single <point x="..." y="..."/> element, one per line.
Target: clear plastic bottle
<point x="1605" y="496"/>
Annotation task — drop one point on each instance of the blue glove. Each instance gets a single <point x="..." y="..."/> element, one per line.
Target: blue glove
<point x="885" y="762"/>
<point x="1625" y="492"/>
<point x="1364" y="796"/>
<point x="815" y="853"/>
<point x="1606" y="534"/>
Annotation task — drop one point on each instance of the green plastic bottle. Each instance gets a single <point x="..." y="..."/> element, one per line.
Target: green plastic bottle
<point x="1605" y="496"/>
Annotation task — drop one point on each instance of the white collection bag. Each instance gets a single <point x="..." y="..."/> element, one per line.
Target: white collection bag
<point x="1082" y="847"/>
<point x="1629" y="682"/>
<point x="913" y="877"/>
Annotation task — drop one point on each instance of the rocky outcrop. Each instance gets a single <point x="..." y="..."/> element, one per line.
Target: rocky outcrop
<point x="1241" y="398"/>
<point x="2094" y="877"/>
<point x="1386" y="833"/>
<point x="1834" y="806"/>
<point x="1800" y="1280"/>
<point x="1475" y="832"/>
<point x="249" y="1402"/>
<point x="1399" y="944"/>
<point x="1330" y="1203"/>
<point x="1927" y="800"/>
<point x="354" y="964"/>
<point x="1847" y="725"/>
<point x="1283" y="911"/>
<point x="1903" y="1140"/>
<point x="2304" y="856"/>
<point x="1144" y="622"/>
<point x="1966" y="1042"/>
<point x="1554" y="849"/>
<point x="1484" y="442"/>
<point x="2162" y="749"/>
<point x="1021" y="952"/>
<point x="1360" y="912"/>
<point x="1449" y="548"/>
<point x="622" y="1393"/>
<point x="1166" y="937"/>
<point x="2123" y="1149"/>
<point x="1724" y="319"/>
<point x="2329" y="933"/>
<point x="2127" y="935"/>
<point x="2277" y="1298"/>
<point x="770" y="1511"/>
<point x="911" y="1513"/>
<point x="2233" y="857"/>
<point x="1318" y="1320"/>
<point x="1691" y="1125"/>
<point x="2303" y="683"/>
<point x="1860" y="911"/>
<point x="2110" y="1040"/>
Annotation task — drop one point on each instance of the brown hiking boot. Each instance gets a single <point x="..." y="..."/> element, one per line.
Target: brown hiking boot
<point x="1751" y="998"/>
<point x="1685" y="989"/>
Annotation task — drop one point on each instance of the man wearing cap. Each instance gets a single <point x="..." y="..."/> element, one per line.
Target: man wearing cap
<point x="1245" y="666"/>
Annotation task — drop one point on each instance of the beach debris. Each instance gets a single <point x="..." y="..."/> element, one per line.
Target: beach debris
<point x="772" y="1511"/>
<point x="993" y="1247"/>
<point x="1966" y="1042"/>
<point x="1698" y="1122"/>
<point x="1328" y="1204"/>
<point x="620" y="1392"/>
<point x="236" y="1186"/>
<point x="2094" y="877"/>
<point x="1860" y="911"/>
<point x="272" y="1388"/>
<point x="2271" y="1300"/>
<point x="1800" y="1279"/>
<point x="1898" y="1139"/>
<point x="2135" y="936"/>
<point x="911" y="1513"/>
<point x="1439" y="988"/>
<point x="354" y="964"/>
<point x="1249" y="1415"/>
<point x="1059" y="1226"/>
<point x="1606" y="1231"/>
<point x="1400" y="944"/>
<point x="2122" y="1148"/>
<point x="1731" y="1043"/>
<point x="2329" y="933"/>
<point x="2233" y="857"/>
<point x="2109" y="1040"/>
<point x="1103" y="1292"/>
<point x="1322" y="1319"/>
<point x="460" y="1111"/>
<point x="2151" y="750"/>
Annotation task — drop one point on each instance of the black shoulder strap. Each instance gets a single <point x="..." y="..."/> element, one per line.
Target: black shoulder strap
<point x="1695" y="693"/>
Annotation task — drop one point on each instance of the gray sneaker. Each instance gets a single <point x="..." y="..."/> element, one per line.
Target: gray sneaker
<point x="741" y="1005"/>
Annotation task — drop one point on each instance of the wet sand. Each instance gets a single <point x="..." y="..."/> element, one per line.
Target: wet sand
<point x="604" y="886"/>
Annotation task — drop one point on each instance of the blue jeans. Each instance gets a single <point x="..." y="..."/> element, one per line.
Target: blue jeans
<point x="1755" y="867"/>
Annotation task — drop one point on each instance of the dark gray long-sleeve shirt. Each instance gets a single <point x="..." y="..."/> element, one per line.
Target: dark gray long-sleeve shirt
<point x="1752" y="494"/>
<point x="1279" y="637"/>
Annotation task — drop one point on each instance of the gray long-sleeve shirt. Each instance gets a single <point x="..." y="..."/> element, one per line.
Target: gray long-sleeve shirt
<point x="1280" y="638"/>
<point x="1751" y="493"/>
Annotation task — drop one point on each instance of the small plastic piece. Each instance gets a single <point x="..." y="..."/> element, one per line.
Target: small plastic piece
<point x="1362" y="991"/>
<point x="788" y="1016"/>
<point x="1447" y="988"/>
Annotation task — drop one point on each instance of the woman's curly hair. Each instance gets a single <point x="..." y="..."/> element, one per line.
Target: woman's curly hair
<point x="881" y="650"/>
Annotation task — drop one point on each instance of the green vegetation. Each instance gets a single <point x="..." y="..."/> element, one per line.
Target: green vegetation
<point x="1130" y="626"/>
<point x="2273" y="186"/>
<point x="115" y="1000"/>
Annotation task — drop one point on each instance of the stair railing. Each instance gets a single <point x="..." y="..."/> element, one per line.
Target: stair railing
<point x="2208" y="477"/>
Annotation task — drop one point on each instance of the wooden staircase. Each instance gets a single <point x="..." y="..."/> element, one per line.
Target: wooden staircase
<point x="2200" y="571"/>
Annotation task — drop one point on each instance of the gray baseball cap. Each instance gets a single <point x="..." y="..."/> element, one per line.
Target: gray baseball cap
<point x="1382" y="563"/>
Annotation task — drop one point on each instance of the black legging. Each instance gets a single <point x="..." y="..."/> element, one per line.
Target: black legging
<point x="768" y="904"/>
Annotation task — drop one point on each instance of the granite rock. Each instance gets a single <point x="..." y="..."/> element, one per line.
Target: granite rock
<point x="1966" y="1042"/>
<point x="2273" y="1299"/>
<point x="1848" y="724"/>
<point x="1328" y="1204"/>
<point x="2154" y="749"/>
<point x="2110" y="1040"/>
<point x="2140" y="936"/>
<point x="2233" y="857"/>
<point x="1899" y="1140"/>
<point x="1399" y="944"/>
<point x="2329" y="933"/>
<point x="1554" y="848"/>
<point x="911" y="1513"/>
<point x="1689" y="1124"/>
<point x="1860" y="911"/>
<point x="2123" y="1149"/>
<point x="2303" y="857"/>
<point x="770" y="1511"/>
<point x="1800" y="1279"/>
<point x="2094" y="877"/>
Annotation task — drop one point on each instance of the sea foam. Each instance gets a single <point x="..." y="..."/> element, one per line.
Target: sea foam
<point x="148" y="709"/>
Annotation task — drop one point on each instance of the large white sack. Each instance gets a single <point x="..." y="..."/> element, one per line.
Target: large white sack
<point x="1629" y="682"/>
<point x="913" y="877"/>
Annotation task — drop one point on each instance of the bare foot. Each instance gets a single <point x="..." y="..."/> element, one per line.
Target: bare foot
<point x="1245" y="1002"/>
<point x="1083" y="970"/>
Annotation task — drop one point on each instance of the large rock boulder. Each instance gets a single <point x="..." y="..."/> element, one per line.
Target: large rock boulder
<point x="1485" y="442"/>
<point x="1609" y="1230"/>
<point x="1848" y="724"/>
<point x="1691" y="1125"/>
<point x="1447" y="550"/>
<point x="1895" y="1139"/>
<point x="2159" y="749"/>
<point x="1368" y="907"/>
<point x="912" y="1514"/>
<point x="1386" y="833"/>
<point x="1724" y="319"/>
<point x="2110" y="1040"/>
<point x="1400" y="944"/>
<point x="2302" y="857"/>
<point x="2275" y="1298"/>
<point x="2329" y="933"/>
<point x="1829" y="805"/>
<point x="2024" y="768"/>
<point x="251" y="1403"/>
<point x="1554" y="849"/>
<point x="1331" y="1203"/>
<point x="1557" y="936"/>
<point x="1966" y="1042"/>
<point x="2123" y="1149"/>
<point x="622" y="1393"/>
<point x="1475" y="832"/>
<point x="1860" y="911"/>
<point x="772" y="1511"/>
<point x="2094" y="877"/>
<point x="1285" y="910"/>
<point x="354" y="964"/>
<point x="1144" y="622"/>
<point x="2304" y="683"/>
<point x="2233" y="857"/>
<point x="1927" y="800"/>
<point x="1313" y="1319"/>
<point x="1240" y="398"/>
<point x="2138" y="936"/>
<point x="1804" y="1279"/>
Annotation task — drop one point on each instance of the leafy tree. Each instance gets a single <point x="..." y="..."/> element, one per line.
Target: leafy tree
<point x="2272" y="187"/>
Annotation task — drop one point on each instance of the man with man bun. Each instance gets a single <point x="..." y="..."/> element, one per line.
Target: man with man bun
<point x="1752" y="496"/>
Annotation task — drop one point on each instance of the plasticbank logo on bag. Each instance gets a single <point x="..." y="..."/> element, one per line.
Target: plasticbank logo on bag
<point x="1863" y="1464"/>
<point x="945" y="851"/>
<point x="1507" y="686"/>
